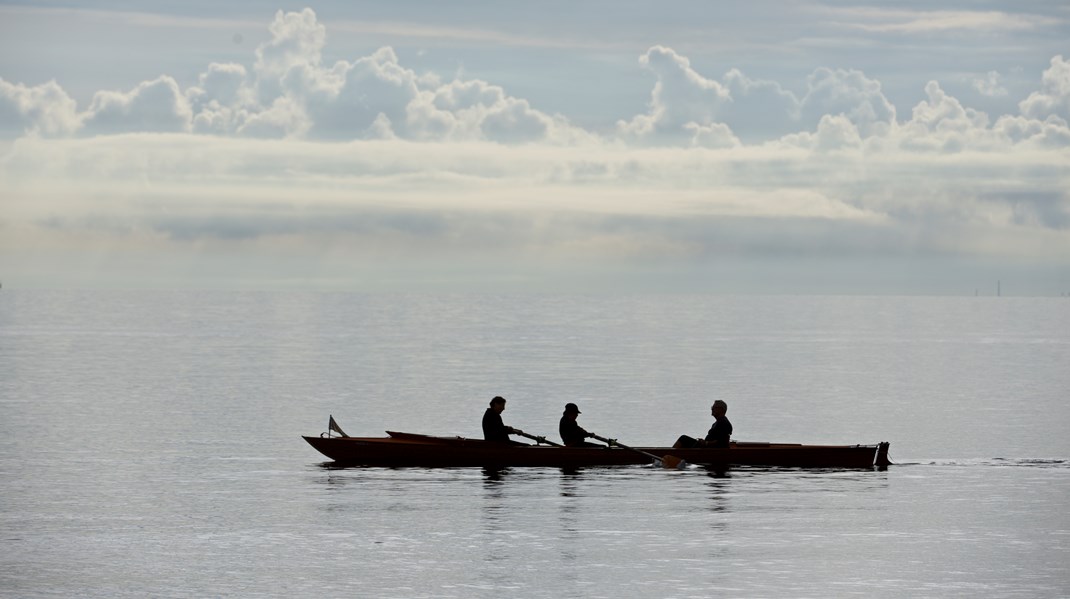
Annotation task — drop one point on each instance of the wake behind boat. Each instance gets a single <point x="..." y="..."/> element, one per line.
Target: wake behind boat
<point x="411" y="449"/>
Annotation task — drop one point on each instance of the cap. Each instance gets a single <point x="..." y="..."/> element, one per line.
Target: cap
<point x="571" y="407"/>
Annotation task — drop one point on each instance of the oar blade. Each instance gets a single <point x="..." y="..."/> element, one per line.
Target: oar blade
<point x="671" y="462"/>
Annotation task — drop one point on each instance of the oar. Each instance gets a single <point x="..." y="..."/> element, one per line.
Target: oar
<point x="665" y="461"/>
<point x="536" y="438"/>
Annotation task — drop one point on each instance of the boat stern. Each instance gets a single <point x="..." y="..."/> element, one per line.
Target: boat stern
<point x="882" y="460"/>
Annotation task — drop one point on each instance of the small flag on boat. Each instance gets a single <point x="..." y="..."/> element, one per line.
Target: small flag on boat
<point x="332" y="425"/>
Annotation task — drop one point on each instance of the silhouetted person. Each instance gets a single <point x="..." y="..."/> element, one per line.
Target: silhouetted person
<point x="572" y="435"/>
<point x="720" y="433"/>
<point x="493" y="427"/>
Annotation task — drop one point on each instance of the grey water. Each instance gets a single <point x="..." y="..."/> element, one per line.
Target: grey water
<point x="150" y="445"/>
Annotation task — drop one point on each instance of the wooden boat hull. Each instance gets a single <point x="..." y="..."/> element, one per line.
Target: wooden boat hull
<point x="407" y="449"/>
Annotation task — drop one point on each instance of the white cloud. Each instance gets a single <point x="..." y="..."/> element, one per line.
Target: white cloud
<point x="289" y="92"/>
<point x="296" y="44"/>
<point x="834" y="133"/>
<point x="380" y="129"/>
<point x="716" y="135"/>
<point x="915" y="22"/>
<point x="473" y="109"/>
<point x="223" y="96"/>
<point x="681" y="98"/>
<point x="153" y="106"/>
<point x="44" y="109"/>
<point x="1052" y="132"/>
<point x="285" y="118"/>
<point x="989" y="85"/>
<point x="850" y="93"/>
<point x="684" y="101"/>
<point x="1054" y="95"/>
<point x="942" y="123"/>
<point x="760" y="109"/>
<point x="371" y="86"/>
<point x="223" y="83"/>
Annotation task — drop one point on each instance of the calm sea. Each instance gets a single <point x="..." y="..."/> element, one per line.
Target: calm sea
<point x="150" y="445"/>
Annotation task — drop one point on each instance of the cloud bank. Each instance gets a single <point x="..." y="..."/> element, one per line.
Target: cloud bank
<point x="364" y="163"/>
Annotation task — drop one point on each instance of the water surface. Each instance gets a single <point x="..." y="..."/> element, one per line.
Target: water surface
<point x="150" y="445"/>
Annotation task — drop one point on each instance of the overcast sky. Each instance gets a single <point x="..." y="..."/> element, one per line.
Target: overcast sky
<point x="613" y="146"/>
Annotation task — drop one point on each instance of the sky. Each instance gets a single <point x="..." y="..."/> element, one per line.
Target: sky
<point x="805" y="147"/>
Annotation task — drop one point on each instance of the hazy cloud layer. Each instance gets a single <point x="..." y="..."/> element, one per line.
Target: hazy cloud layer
<point x="367" y="158"/>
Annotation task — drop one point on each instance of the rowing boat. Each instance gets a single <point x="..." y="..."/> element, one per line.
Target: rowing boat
<point x="411" y="449"/>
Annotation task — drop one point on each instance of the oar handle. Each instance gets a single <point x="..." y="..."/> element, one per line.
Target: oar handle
<point x="535" y="438"/>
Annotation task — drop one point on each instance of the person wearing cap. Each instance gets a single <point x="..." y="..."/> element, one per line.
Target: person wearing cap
<point x="720" y="433"/>
<point x="572" y="434"/>
<point x="493" y="427"/>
